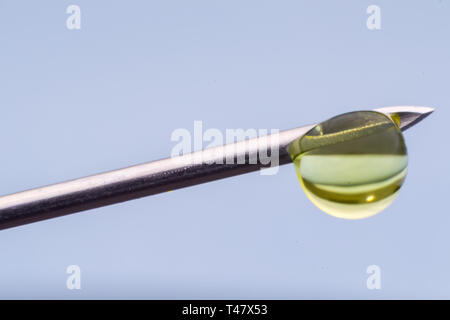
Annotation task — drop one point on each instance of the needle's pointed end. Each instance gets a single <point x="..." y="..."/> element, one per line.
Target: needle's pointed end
<point x="406" y="116"/>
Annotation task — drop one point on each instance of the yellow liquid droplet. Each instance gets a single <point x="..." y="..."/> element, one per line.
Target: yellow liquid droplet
<point x="353" y="165"/>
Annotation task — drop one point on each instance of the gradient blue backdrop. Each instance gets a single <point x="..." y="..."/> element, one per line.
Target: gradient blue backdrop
<point x="74" y="103"/>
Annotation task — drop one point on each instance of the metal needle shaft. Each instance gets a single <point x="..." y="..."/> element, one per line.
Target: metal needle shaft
<point x="160" y="176"/>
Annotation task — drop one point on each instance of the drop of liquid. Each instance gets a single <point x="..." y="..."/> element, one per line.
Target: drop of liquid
<point x="353" y="165"/>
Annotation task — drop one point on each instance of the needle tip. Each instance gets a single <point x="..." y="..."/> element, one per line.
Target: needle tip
<point x="409" y="115"/>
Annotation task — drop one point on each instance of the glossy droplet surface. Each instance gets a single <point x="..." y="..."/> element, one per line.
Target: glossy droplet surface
<point x="353" y="165"/>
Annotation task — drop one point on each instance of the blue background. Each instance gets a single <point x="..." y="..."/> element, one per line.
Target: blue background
<point x="78" y="102"/>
